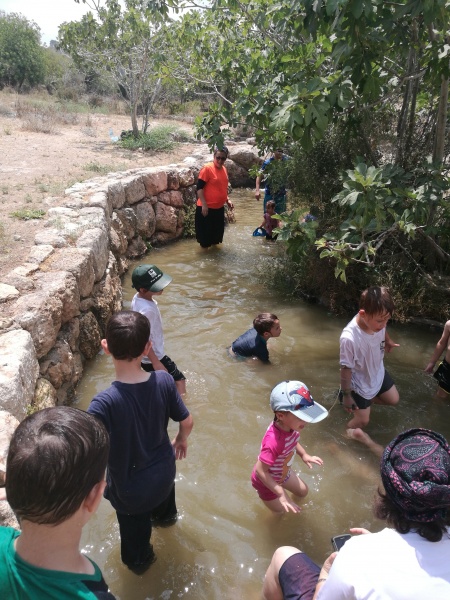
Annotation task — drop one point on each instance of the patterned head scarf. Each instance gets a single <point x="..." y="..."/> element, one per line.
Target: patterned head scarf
<point x="415" y="470"/>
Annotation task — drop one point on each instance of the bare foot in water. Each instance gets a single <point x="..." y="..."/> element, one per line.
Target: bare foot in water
<point x="361" y="436"/>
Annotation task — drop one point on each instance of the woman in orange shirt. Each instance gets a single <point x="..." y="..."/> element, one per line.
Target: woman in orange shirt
<point x="212" y="195"/>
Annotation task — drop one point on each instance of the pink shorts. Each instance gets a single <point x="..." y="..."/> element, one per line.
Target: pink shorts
<point x="263" y="492"/>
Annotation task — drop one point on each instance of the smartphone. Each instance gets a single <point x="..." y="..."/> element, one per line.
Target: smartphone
<point x="339" y="540"/>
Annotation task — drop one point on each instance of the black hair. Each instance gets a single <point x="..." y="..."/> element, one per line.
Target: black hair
<point x="56" y="456"/>
<point x="264" y="322"/>
<point x="222" y="149"/>
<point x="127" y="333"/>
<point x="386" y="510"/>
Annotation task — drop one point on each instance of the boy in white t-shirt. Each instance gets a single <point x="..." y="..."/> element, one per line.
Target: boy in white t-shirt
<point x="363" y="343"/>
<point x="149" y="281"/>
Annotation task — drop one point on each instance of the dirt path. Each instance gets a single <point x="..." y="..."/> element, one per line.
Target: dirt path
<point x="36" y="168"/>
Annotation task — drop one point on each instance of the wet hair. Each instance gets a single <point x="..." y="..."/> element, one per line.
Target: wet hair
<point x="127" y="333"/>
<point x="270" y="203"/>
<point x="56" y="456"/>
<point x="386" y="510"/>
<point x="222" y="149"/>
<point x="376" y="300"/>
<point x="264" y="322"/>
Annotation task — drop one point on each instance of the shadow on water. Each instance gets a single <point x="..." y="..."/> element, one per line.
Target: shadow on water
<point x="225" y="537"/>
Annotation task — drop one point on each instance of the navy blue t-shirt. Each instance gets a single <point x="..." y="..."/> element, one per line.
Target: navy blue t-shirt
<point x="251" y="343"/>
<point x="141" y="463"/>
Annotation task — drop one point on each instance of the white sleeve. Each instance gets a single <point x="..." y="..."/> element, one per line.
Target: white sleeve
<point x="347" y="353"/>
<point x="339" y="582"/>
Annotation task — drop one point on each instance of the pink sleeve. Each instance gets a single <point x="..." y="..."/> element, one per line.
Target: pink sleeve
<point x="268" y="453"/>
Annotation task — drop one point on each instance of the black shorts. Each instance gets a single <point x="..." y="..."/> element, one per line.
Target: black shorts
<point x="442" y="374"/>
<point x="171" y="367"/>
<point x="298" y="577"/>
<point x="361" y="402"/>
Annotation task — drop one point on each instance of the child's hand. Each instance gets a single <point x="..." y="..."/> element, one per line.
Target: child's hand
<point x="288" y="504"/>
<point x="429" y="368"/>
<point x="310" y="460"/>
<point x="389" y="345"/>
<point x="358" y="530"/>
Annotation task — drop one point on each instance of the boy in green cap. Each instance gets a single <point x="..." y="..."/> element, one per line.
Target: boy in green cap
<point x="149" y="281"/>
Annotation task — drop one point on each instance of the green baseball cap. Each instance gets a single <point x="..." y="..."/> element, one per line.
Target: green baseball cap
<point x="150" y="278"/>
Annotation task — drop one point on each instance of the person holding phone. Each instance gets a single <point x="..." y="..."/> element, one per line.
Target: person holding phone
<point x="408" y="560"/>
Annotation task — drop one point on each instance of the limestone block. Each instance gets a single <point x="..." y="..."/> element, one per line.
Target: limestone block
<point x="8" y="292"/>
<point x="189" y="195"/>
<point x="78" y="361"/>
<point x="7" y="516"/>
<point x="79" y="262"/>
<point x="161" y="238"/>
<point x="50" y="237"/>
<point x="8" y="424"/>
<point x="70" y="332"/>
<point x="116" y="194"/>
<point x="237" y="175"/>
<point x="186" y="177"/>
<point x="62" y="212"/>
<point x="93" y="216"/>
<point x="145" y="219"/>
<point x="166" y="218"/>
<point x="122" y="265"/>
<point x="18" y="373"/>
<point x="173" y="198"/>
<point x="40" y="314"/>
<point x="63" y="285"/>
<point x="173" y="180"/>
<point x="127" y="217"/>
<point x="245" y="156"/>
<point x="40" y="253"/>
<point x="107" y="298"/>
<point x="180" y="221"/>
<point x="136" y="248"/>
<point x="44" y="395"/>
<point x="134" y="189"/>
<point x="90" y="336"/>
<point x="21" y="283"/>
<point x="97" y="241"/>
<point x="102" y="200"/>
<point x="155" y="181"/>
<point x="117" y="242"/>
<point x="57" y="365"/>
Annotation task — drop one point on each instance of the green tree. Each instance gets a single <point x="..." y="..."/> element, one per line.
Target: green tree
<point x="21" y="57"/>
<point x="124" y="40"/>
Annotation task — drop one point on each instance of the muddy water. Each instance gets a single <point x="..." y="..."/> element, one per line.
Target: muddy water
<point x="223" y="541"/>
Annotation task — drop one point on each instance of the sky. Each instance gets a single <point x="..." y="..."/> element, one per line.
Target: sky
<point x="48" y="14"/>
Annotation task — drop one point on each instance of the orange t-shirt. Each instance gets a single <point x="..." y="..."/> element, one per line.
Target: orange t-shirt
<point x="216" y="188"/>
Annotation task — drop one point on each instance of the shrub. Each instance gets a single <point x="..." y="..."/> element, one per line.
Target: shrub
<point x="158" y="139"/>
<point x="26" y="214"/>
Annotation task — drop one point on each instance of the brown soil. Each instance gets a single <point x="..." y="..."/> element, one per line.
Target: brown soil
<point x="36" y="168"/>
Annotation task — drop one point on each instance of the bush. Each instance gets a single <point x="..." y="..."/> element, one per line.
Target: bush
<point x="158" y="139"/>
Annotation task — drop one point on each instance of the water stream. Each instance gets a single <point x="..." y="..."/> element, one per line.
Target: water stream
<point x="225" y="537"/>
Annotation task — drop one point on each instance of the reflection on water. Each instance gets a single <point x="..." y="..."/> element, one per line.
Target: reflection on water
<point x="222" y="544"/>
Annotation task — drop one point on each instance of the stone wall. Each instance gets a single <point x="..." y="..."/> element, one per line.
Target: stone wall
<point x="55" y="306"/>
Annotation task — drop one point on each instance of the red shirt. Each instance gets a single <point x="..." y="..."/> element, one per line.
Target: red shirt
<point x="216" y="188"/>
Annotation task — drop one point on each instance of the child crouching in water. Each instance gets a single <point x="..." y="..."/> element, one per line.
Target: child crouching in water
<point x="293" y="406"/>
<point x="269" y="223"/>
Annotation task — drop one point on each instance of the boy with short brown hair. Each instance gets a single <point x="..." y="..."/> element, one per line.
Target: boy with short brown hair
<point x="253" y="343"/>
<point x="363" y="343"/>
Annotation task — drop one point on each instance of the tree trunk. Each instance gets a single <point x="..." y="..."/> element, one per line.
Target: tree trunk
<point x="441" y="123"/>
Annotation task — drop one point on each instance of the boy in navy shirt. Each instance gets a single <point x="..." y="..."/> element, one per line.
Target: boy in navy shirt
<point x="253" y="343"/>
<point x="136" y="410"/>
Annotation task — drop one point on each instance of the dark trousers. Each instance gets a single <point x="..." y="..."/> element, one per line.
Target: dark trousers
<point x="136" y="530"/>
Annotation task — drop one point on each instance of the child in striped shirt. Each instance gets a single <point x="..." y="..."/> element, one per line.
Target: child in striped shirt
<point x="293" y="406"/>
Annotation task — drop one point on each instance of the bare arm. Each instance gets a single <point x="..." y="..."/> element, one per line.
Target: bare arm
<point x="180" y="442"/>
<point x="389" y="345"/>
<point x="156" y="363"/>
<point x="440" y="347"/>
<point x="346" y="388"/>
<point x="262" y="470"/>
<point x="258" y="183"/>
<point x="324" y="572"/>
<point x="307" y="458"/>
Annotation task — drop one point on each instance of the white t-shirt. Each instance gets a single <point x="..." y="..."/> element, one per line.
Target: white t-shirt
<point x="390" y="566"/>
<point x="363" y="353"/>
<point x="149" y="308"/>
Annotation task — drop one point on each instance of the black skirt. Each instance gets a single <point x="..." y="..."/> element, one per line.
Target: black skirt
<point x="209" y="230"/>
